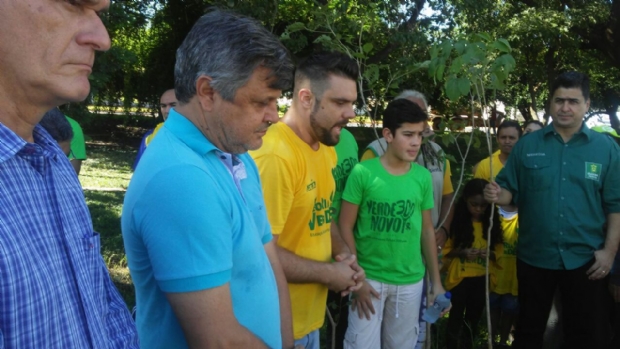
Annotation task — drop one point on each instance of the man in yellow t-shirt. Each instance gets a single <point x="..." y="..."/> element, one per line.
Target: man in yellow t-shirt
<point x="295" y="165"/>
<point x="508" y="133"/>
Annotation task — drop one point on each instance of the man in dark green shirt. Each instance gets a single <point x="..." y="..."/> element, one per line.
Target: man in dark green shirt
<point x="565" y="180"/>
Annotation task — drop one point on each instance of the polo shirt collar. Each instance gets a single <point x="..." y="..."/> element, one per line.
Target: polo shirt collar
<point x="188" y="133"/>
<point x="585" y="130"/>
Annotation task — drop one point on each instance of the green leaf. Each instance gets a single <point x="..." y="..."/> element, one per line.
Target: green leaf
<point x="422" y="65"/>
<point x="457" y="65"/>
<point x="372" y="73"/>
<point x="323" y="39"/>
<point x="452" y="89"/>
<point x="367" y="47"/>
<point x="464" y="85"/>
<point x="295" y="27"/>
<point x="434" y="51"/>
<point x="460" y="47"/>
<point x="432" y="68"/>
<point x="440" y="69"/>
<point x="484" y="36"/>
<point x="451" y="158"/>
<point x="446" y="48"/>
<point x="502" y="45"/>
<point x="476" y="143"/>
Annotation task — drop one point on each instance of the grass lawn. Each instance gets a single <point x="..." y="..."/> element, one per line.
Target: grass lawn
<point x="104" y="176"/>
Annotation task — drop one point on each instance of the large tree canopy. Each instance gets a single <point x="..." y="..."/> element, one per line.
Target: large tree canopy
<point x="391" y="39"/>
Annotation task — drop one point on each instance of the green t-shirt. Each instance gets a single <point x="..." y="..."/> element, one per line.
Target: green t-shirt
<point x="346" y="150"/>
<point x="389" y="220"/>
<point x="78" y="145"/>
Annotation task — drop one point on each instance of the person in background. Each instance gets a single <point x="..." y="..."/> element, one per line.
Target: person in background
<point x="296" y="166"/>
<point x="57" y="125"/>
<point x="433" y="158"/>
<point x="531" y="126"/>
<point x="55" y="288"/>
<point x="78" y="146"/>
<point x="347" y="153"/>
<point x="198" y="243"/>
<point x="167" y="101"/>
<point x="504" y="302"/>
<point x="508" y="134"/>
<point x="614" y="275"/>
<point x="565" y="180"/>
<point x="465" y="261"/>
<point x="391" y="230"/>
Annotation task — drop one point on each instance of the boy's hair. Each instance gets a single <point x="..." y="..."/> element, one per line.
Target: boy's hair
<point x="462" y="228"/>
<point x="572" y="79"/>
<point x="57" y="125"/>
<point x="400" y="111"/>
<point x="319" y="66"/>
<point x="510" y="123"/>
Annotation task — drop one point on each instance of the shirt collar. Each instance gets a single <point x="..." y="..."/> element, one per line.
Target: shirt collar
<point x="585" y="130"/>
<point x="11" y="143"/>
<point x="188" y="133"/>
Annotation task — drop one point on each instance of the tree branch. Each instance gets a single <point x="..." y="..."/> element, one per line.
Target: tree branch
<point x="406" y="26"/>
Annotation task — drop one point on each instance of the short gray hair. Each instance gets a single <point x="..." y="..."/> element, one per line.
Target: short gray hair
<point x="406" y="94"/>
<point x="228" y="48"/>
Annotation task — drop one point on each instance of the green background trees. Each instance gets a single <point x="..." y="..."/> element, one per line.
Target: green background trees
<point x="392" y="40"/>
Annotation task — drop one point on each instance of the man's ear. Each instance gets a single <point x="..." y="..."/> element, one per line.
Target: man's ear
<point x="306" y="98"/>
<point x="587" y="105"/>
<point x="205" y="92"/>
<point x="387" y="134"/>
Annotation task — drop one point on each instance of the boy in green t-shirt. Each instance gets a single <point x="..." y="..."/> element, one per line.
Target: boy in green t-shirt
<point x="385" y="219"/>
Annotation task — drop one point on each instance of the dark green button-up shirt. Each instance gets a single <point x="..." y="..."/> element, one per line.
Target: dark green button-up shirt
<point x="564" y="192"/>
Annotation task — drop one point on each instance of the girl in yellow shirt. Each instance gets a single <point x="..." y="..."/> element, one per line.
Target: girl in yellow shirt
<point x="465" y="260"/>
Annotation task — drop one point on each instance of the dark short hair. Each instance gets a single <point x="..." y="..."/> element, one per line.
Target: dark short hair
<point x="228" y="48"/>
<point x="57" y="125"/>
<point x="572" y="79"/>
<point x="400" y="111"/>
<point x="509" y="123"/>
<point x="319" y="66"/>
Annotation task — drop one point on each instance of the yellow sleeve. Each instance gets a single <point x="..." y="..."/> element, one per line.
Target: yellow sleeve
<point x="483" y="170"/>
<point x="368" y="154"/>
<point x="276" y="176"/>
<point x="150" y="137"/>
<point x="447" y="180"/>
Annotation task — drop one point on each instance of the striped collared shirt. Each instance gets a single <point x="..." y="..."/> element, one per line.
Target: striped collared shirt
<point x="55" y="290"/>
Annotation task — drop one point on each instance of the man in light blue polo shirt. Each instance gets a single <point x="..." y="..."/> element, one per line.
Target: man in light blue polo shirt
<point x="197" y="238"/>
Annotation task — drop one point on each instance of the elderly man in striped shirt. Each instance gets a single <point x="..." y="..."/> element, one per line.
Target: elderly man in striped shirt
<point x="55" y="290"/>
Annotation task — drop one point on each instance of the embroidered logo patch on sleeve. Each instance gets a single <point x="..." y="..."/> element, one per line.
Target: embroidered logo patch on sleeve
<point x="593" y="171"/>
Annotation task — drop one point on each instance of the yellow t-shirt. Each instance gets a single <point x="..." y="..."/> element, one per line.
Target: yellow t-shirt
<point x="459" y="268"/>
<point x="483" y="170"/>
<point x="150" y="137"/>
<point x="299" y="188"/>
<point x="507" y="263"/>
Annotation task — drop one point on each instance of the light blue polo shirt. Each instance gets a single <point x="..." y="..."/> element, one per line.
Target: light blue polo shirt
<point x="190" y="223"/>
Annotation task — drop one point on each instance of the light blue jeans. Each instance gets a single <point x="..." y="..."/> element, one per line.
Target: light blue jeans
<point x="309" y="341"/>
